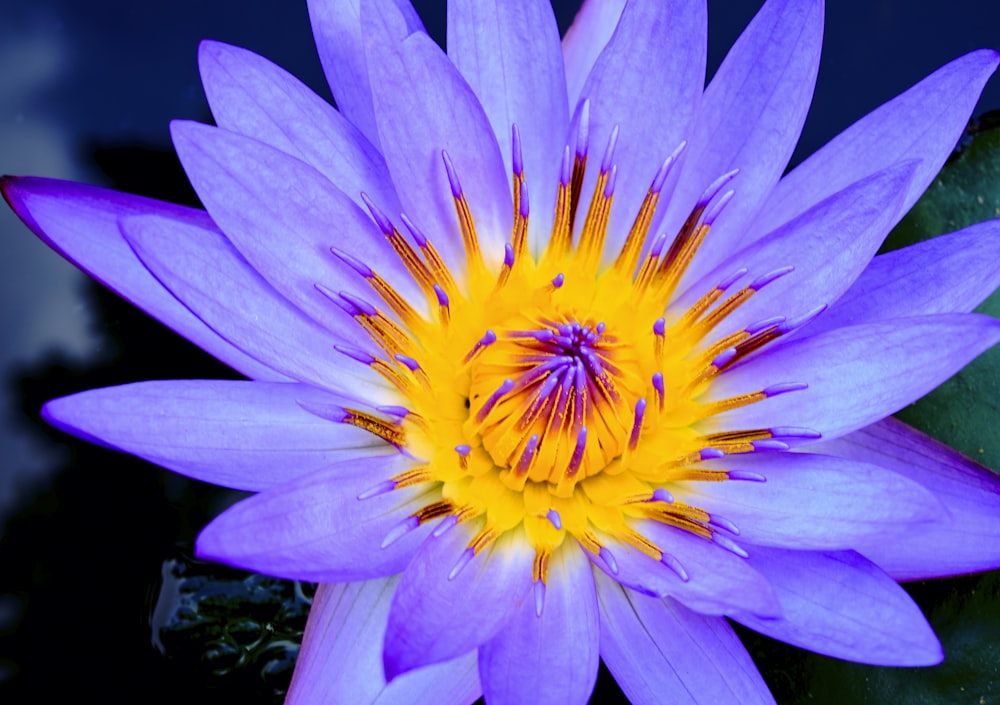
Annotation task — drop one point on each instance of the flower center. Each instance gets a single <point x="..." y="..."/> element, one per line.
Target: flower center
<point x="555" y="395"/>
<point x="551" y="400"/>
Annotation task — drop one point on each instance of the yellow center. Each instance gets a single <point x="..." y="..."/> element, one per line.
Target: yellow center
<point x="552" y="393"/>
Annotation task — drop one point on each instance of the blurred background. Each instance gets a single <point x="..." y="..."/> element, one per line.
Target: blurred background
<point x="97" y="587"/>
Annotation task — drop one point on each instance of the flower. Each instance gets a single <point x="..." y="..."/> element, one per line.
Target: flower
<point x="549" y="363"/>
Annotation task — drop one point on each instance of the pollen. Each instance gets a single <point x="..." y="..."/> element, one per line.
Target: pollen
<point x="561" y="395"/>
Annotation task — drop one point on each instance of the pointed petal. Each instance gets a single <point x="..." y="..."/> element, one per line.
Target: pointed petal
<point x="657" y="648"/>
<point x="967" y="539"/>
<point x="592" y="27"/>
<point x="648" y="82"/>
<point x="718" y="582"/>
<point x="551" y="658"/>
<point x="842" y="605"/>
<point x="436" y="617"/>
<point x="244" y="435"/>
<point x="253" y="97"/>
<point x="750" y="118"/>
<point x="280" y="213"/>
<point x="857" y="374"/>
<point x="828" y="246"/>
<point x="950" y="273"/>
<point x="811" y="501"/>
<point x="424" y="106"/>
<point x="80" y="222"/>
<point x="336" y="26"/>
<point x="203" y="270"/>
<point x="509" y="53"/>
<point x="341" y="656"/>
<point x="923" y="123"/>
<point x="315" y="528"/>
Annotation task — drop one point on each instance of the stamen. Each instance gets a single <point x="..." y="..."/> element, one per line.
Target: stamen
<point x="628" y="258"/>
<point x="443" y="311"/>
<point x="488" y="339"/>
<point x="659" y="389"/>
<point x="609" y="559"/>
<point x="524" y="464"/>
<point x="463" y="560"/>
<point x="418" y="270"/>
<point x="554" y="519"/>
<point x="539" y="593"/>
<point x="662" y="495"/>
<point x="729" y="545"/>
<point x="558" y="281"/>
<point x="487" y="407"/>
<point x="439" y="270"/>
<point x="400" y="530"/>
<point x="640" y="413"/>
<point x="465" y="221"/>
<point x="675" y="565"/>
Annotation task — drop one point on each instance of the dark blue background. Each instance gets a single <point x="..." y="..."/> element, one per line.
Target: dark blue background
<point x="86" y="92"/>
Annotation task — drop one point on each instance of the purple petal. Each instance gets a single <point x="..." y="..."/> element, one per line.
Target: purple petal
<point x="750" y="118"/>
<point x="336" y="26"/>
<point x="250" y="95"/>
<point x="509" y="53"/>
<point x="719" y="581"/>
<point x="966" y="539"/>
<point x="814" y="501"/>
<point x="551" y="658"/>
<point x="437" y="615"/>
<point x="657" y="648"/>
<point x="950" y="273"/>
<point x="244" y="435"/>
<point x="586" y="38"/>
<point x="857" y="374"/>
<point x="206" y="273"/>
<point x="341" y="656"/>
<point x="647" y="81"/>
<point x="842" y="605"/>
<point x="923" y="123"/>
<point x="81" y="223"/>
<point x="315" y="528"/>
<point x="423" y="107"/>
<point x="283" y="216"/>
<point x="828" y="246"/>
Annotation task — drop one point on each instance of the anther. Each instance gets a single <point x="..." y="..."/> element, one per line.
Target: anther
<point x="795" y="432"/>
<point x="716" y="521"/>
<point x="463" y="560"/>
<point x="379" y="489"/>
<point x="487" y="407"/>
<point x="711" y="453"/>
<point x="662" y="495"/>
<point x="554" y="519"/>
<point x="745" y="475"/>
<point x="558" y="281"/>
<point x="410" y="363"/>
<point x="360" y="304"/>
<point x="445" y="526"/>
<point x="658" y="387"/>
<point x="776" y="389"/>
<point x="765" y="279"/>
<point x="392" y="410"/>
<point x="383" y="222"/>
<point x="539" y="593"/>
<point x="665" y="167"/>
<point x="769" y="444"/>
<point x="640" y="413"/>
<point x="517" y="160"/>
<point x="715" y="187"/>
<point x="488" y="339"/>
<point x="354" y="263"/>
<point x="713" y="211"/>
<point x="355" y="354"/>
<point x="675" y="565"/>
<point x="400" y="530"/>
<point x="453" y="182"/>
<point x="609" y="559"/>
<point x="577" y="457"/>
<point x="609" y="151"/>
<point x="729" y="545"/>
<point x="524" y="464"/>
<point x="443" y="308"/>
<point x="463" y="455"/>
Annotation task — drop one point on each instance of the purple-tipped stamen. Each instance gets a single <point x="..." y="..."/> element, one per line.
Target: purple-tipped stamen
<point x="502" y="391"/>
<point x="524" y="464"/>
<point x="640" y="414"/>
<point x="400" y="530"/>
<point x="539" y="592"/>
<point x="554" y="519"/>
<point x="675" y="565"/>
<point x="609" y="187"/>
<point x="446" y="525"/>
<point x="609" y="151"/>
<point x="718" y="522"/>
<point x="769" y="444"/>
<point x="391" y="410"/>
<point x="715" y="187"/>
<point x="380" y="488"/>
<point x="715" y="210"/>
<point x="442" y="297"/>
<point x="463" y="560"/>
<point x="578" y="450"/>
<point x="660" y="327"/>
<point x="771" y="322"/>
<point x="731" y="279"/>
<point x="583" y="130"/>
<point x="804" y="319"/>
<point x="765" y="279"/>
<point x="359" y="303"/>
<point x="355" y="354"/>
<point x="449" y="167"/>
<point x="729" y="545"/>
<point x="662" y="495"/>
<point x="566" y="167"/>
<point x="523" y="209"/>
<point x="559" y="280"/>
<point x="609" y="559"/>
<point x="745" y="475"/>
<point x="380" y="218"/>
<point x="354" y="263"/>
<point x="795" y="432"/>
<point x="415" y="233"/>
<point x="784" y="388"/>
<point x="408" y="361"/>
<point x="665" y="167"/>
<point x="711" y="453"/>
<point x="723" y="358"/>
<point x="516" y="157"/>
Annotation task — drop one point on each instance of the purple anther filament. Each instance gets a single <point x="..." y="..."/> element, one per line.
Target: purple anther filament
<point x="442" y="297"/>
<point x="502" y="390"/>
<point x="456" y="186"/>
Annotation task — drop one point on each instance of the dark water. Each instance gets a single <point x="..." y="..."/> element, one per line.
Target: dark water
<point x="89" y="538"/>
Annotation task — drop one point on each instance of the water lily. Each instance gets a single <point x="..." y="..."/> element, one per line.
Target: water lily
<point x="548" y="363"/>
